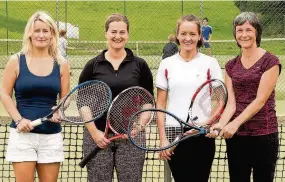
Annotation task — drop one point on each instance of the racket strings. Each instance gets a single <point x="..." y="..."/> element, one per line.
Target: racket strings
<point x="126" y="104"/>
<point x="210" y="101"/>
<point x="148" y="136"/>
<point x="87" y="103"/>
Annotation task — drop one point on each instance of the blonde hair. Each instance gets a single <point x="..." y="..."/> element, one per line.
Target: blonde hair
<point x="53" y="49"/>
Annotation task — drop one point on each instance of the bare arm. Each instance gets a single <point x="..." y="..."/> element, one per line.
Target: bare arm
<point x="161" y="104"/>
<point x="65" y="79"/>
<point x="9" y="78"/>
<point x="97" y="135"/>
<point x="211" y="33"/>
<point x="229" y="110"/>
<point x="231" y="105"/>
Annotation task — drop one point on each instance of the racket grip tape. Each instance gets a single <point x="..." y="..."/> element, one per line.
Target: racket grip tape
<point x="37" y="122"/>
<point x="86" y="159"/>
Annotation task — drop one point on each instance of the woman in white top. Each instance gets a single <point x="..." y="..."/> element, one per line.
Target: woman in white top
<point x="177" y="79"/>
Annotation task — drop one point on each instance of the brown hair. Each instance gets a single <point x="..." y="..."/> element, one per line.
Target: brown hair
<point x="253" y="20"/>
<point x="171" y="38"/>
<point x="116" y="17"/>
<point x="190" y="18"/>
<point x="62" y="32"/>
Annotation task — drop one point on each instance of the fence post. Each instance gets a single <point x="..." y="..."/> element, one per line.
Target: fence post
<point x="65" y="15"/>
<point x="125" y="7"/>
<point x="167" y="172"/>
<point x="182" y="7"/>
<point x="137" y="48"/>
<point x="7" y="33"/>
<point x="201" y="9"/>
<point x="56" y="14"/>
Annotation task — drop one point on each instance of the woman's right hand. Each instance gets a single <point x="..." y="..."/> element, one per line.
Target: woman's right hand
<point x="215" y="130"/>
<point x="100" y="139"/>
<point x="165" y="154"/>
<point x="24" y="126"/>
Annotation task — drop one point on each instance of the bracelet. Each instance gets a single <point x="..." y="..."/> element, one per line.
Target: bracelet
<point x="18" y="121"/>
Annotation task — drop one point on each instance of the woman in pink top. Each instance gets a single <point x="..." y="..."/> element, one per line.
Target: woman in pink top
<point x="249" y="123"/>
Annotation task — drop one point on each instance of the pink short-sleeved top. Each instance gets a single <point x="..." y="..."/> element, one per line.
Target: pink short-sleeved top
<point x="245" y="84"/>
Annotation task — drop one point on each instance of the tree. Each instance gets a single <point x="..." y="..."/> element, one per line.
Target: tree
<point x="271" y="14"/>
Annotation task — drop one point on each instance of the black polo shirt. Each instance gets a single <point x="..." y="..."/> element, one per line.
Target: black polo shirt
<point x="133" y="71"/>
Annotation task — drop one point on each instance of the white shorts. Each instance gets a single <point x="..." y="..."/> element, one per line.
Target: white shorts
<point x="43" y="148"/>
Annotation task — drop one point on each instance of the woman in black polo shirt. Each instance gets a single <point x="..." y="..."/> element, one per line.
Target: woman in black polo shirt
<point x="120" y="69"/>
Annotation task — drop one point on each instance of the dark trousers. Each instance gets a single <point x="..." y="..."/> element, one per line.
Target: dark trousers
<point x="120" y="154"/>
<point x="192" y="159"/>
<point x="252" y="153"/>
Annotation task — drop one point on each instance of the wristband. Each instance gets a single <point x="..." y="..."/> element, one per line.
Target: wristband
<point x="18" y="121"/>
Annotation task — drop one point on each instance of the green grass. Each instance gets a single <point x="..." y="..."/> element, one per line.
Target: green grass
<point x="149" y="21"/>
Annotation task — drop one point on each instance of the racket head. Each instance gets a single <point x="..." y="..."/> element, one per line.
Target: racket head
<point x="125" y="104"/>
<point x="122" y="107"/>
<point x="150" y="136"/>
<point x="208" y="103"/>
<point x="86" y="102"/>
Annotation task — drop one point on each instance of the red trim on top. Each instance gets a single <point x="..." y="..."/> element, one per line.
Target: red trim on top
<point x="166" y="74"/>
<point x="208" y="75"/>
<point x="209" y="78"/>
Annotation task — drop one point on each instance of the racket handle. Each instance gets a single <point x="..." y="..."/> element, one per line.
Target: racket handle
<point x="37" y="122"/>
<point x="86" y="159"/>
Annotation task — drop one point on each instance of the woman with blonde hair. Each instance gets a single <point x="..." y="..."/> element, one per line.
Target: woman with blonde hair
<point x="38" y="74"/>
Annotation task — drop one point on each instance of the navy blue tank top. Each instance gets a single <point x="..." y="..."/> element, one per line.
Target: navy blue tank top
<point x="36" y="95"/>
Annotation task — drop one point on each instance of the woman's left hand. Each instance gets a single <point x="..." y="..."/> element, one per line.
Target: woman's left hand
<point x="229" y="130"/>
<point x="57" y="116"/>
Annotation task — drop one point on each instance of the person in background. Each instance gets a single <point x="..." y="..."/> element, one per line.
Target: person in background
<point x="63" y="43"/>
<point x="38" y="75"/>
<point x="249" y="123"/>
<point x="119" y="69"/>
<point x="170" y="48"/>
<point x="207" y="35"/>
<point x="177" y="79"/>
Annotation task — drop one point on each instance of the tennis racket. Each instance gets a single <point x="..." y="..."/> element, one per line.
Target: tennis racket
<point x="84" y="103"/>
<point x="167" y="130"/>
<point x="123" y="106"/>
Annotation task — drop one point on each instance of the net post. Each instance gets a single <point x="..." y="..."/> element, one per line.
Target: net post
<point x="167" y="172"/>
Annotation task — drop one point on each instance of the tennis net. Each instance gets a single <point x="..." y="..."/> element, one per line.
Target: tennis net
<point x="154" y="169"/>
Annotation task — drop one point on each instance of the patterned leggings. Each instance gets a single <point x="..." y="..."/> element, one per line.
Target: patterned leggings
<point x="121" y="154"/>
